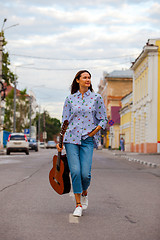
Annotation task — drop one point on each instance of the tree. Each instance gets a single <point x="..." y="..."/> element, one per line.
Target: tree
<point x="51" y="125"/>
<point x="22" y="110"/>
<point x="22" y="107"/>
<point x="8" y="76"/>
<point x="8" y="117"/>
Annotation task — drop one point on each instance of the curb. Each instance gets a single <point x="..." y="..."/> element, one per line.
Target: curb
<point x="2" y="152"/>
<point x="149" y="164"/>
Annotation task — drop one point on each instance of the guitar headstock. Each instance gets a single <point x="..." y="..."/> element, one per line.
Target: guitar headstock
<point x="64" y="127"/>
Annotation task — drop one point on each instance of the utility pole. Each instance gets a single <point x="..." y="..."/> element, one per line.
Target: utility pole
<point x="44" y="128"/>
<point x="30" y="116"/>
<point x="14" y="113"/>
<point x="1" y="128"/>
<point x="39" y="125"/>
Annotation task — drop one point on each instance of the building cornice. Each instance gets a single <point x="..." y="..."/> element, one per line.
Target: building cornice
<point x="117" y="79"/>
<point x="147" y="49"/>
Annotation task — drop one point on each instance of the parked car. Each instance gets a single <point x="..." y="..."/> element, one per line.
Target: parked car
<point x="51" y="144"/>
<point x="17" y="142"/>
<point x="42" y="145"/>
<point x="33" y="145"/>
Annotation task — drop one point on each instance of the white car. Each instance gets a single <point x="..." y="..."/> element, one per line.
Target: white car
<point x="17" y="142"/>
<point x="51" y="144"/>
<point x="42" y="145"/>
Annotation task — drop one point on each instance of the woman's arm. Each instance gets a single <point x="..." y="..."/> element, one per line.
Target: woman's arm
<point x="101" y="115"/>
<point x="91" y="134"/>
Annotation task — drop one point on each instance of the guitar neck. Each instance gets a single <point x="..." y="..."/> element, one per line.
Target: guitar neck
<point x="59" y="153"/>
<point x="60" y="140"/>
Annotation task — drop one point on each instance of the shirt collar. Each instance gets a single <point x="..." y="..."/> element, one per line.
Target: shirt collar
<point x="86" y="93"/>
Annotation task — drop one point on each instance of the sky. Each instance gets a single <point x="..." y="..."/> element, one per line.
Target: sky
<point x="50" y="41"/>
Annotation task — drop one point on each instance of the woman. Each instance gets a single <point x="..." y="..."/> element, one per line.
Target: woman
<point x="86" y="114"/>
<point x="122" y="144"/>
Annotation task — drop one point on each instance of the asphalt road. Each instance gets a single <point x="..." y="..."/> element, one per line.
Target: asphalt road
<point x="124" y="201"/>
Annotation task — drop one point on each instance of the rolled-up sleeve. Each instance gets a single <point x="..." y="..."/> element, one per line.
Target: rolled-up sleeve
<point x="66" y="110"/>
<point x="101" y="115"/>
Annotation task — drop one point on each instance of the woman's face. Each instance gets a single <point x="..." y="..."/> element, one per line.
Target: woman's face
<point x="84" y="80"/>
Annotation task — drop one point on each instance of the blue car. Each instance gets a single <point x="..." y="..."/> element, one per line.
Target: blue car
<point x="33" y="145"/>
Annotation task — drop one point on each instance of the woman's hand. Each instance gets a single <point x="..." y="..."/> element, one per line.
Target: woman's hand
<point x="58" y="148"/>
<point x="91" y="134"/>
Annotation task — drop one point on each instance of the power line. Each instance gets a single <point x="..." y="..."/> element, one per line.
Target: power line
<point x="68" y="69"/>
<point x="72" y="59"/>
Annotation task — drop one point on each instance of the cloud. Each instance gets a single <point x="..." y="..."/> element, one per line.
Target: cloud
<point x="154" y="15"/>
<point x="97" y="35"/>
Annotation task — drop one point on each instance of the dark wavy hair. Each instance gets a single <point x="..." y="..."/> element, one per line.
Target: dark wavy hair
<point x="75" y="85"/>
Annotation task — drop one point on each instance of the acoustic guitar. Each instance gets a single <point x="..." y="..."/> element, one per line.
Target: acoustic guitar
<point x="59" y="174"/>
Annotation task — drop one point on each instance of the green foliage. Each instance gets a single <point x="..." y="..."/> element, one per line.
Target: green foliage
<point x="7" y="74"/>
<point x="51" y="125"/>
<point x="22" y="108"/>
<point x="8" y="117"/>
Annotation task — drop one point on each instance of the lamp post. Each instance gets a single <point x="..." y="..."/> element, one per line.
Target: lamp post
<point x="1" y="128"/>
<point x="39" y="123"/>
<point x="14" y="25"/>
<point x="1" y="48"/>
<point x="14" y="111"/>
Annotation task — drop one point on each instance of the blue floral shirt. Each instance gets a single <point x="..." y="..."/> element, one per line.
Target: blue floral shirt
<point x="84" y="115"/>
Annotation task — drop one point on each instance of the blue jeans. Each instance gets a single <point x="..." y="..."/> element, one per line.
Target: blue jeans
<point x="80" y="162"/>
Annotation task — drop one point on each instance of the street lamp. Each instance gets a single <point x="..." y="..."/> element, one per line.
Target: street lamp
<point x="5" y="19"/>
<point x="14" y="25"/>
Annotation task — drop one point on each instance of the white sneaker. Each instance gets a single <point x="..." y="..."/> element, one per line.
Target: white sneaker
<point x="77" y="212"/>
<point x="84" y="202"/>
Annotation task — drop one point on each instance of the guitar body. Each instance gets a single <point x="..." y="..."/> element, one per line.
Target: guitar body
<point x="59" y="178"/>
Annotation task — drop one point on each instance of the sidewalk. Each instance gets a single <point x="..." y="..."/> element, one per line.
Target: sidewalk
<point x="2" y="151"/>
<point x="148" y="159"/>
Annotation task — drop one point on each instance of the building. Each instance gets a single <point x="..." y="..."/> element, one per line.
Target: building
<point x="113" y="87"/>
<point x="26" y="106"/>
<point x="146" y="99"/>
<point x="32" y="114"/>
<point x="126" y="118"/>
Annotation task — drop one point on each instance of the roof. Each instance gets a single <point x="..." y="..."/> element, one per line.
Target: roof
<point x="120" y="74"/>
<point x="150" y="46"/>
<point x="9" y="88"/>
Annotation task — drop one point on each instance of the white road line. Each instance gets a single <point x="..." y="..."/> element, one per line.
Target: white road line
<point x="9" y="161"/>
<point x="73" y="219"/>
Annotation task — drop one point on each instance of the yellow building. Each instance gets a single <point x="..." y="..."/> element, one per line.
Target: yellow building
<point x="145" y="132"/>
<point x="126" y="120"/>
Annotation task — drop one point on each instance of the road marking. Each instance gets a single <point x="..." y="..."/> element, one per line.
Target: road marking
<point x="73" y="219"/>
<point x="13" y="156"/>
<point x="9" y="161"/>
<point x="71" y="194"/>
<point x="26" y="177"/>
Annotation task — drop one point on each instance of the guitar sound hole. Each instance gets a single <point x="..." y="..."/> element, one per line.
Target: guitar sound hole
<point x="56" y="181"/>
